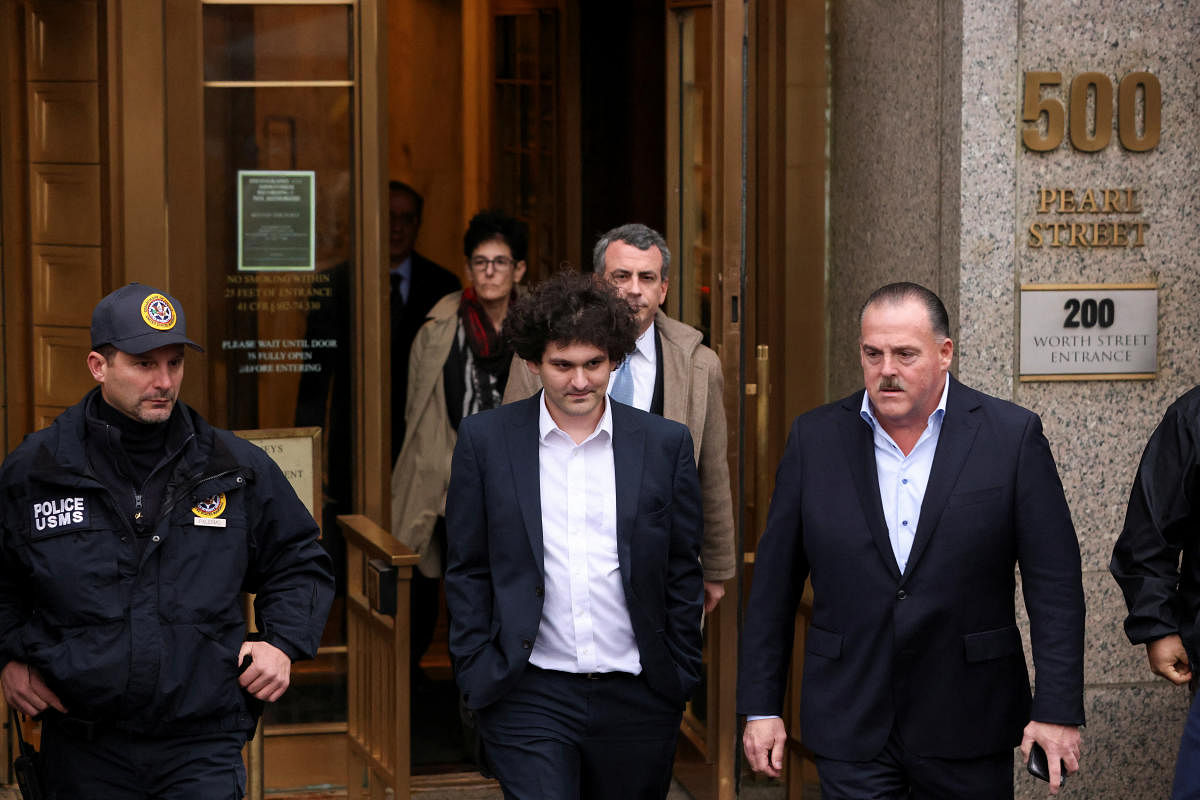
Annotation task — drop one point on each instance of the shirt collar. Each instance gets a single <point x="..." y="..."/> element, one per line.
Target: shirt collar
<point x="403" y="268"/>
<point x="547" y="425"/>
<point x="645" y="344"/>
<point x="868" y="413"/>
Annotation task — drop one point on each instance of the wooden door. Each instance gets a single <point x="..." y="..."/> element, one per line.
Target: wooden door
<point x="55" y="234"/>
<point x="117" y="114"/>
<point x="534" y="141"/>
<point x="705" y="212"/>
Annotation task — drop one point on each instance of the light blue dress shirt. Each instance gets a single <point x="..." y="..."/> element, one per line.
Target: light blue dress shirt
<point x="903" y="478"/>
<point x="643" y="364"/>
<point x="404" y="270"/>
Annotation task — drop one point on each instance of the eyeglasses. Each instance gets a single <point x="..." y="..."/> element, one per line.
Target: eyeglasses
<point x="499" y="263"/>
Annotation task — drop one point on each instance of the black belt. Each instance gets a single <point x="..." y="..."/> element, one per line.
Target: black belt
<point x="591" y="676"/>
<point x="76" y="728"/>
<point x="89" y="730"/>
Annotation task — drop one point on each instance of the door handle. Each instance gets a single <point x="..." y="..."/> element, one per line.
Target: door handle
<point x="762" y="374"/>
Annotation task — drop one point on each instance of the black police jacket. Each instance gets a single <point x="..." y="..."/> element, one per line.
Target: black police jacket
<point x="149" y="642"/>
<point x="1162" y="522"/>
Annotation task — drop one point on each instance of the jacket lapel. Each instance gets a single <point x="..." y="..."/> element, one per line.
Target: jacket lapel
<point x="522" y="440"/>
<point x="628" y="451"/>
<point x="675" y="379"/>
<point x="860" y="457"/>
<point x="959" y="427"/>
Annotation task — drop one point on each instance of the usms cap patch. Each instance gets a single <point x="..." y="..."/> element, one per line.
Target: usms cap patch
<point x="136" y="319"/>
<point x="158" y="312"/>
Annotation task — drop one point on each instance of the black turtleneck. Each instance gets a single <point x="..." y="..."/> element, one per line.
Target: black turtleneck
<point x="144" y="443"/>
<point x="135" y="460"/>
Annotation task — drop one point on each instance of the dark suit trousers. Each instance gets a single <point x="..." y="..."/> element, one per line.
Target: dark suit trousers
<point x="898" y="774"/>
<point x="561" y="735"/>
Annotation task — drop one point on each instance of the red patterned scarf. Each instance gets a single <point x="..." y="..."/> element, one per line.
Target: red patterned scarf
<point x="483" y="339"/>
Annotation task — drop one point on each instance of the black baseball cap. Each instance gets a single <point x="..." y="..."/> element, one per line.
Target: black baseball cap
<point x="137" y="318"/>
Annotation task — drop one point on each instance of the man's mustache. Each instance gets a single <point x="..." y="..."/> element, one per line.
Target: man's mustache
<point x="892" y="382"/>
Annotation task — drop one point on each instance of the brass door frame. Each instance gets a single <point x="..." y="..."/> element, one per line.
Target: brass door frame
<point x="729" y="247"/>
<point x="718" y="738"/>
<point x="786" y="322"/>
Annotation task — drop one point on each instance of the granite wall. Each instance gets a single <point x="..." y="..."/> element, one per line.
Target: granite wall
<point x="930" y="182"/>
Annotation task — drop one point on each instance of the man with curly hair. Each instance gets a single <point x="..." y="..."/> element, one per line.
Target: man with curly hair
<point x="573" y="577"/>
<point x="670" y="372"/>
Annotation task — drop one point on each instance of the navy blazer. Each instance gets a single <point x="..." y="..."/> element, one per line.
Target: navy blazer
<point x="935" y="652"/>
<point x="494" y="563"/>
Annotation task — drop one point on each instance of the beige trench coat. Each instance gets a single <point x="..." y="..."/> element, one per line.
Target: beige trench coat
<point x="422" y="470"/>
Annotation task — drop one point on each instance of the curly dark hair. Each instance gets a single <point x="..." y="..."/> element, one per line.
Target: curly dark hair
<point x="493" y="224"/>
<point x="571" y="307"/>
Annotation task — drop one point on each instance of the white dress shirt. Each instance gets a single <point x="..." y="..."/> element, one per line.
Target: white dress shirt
<point x="903" y="478"/>
<point x="585" y="623"/>
<point x="643" y="364"/>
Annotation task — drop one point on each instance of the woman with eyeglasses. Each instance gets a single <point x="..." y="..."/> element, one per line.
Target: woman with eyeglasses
<point x="458" y="367"/>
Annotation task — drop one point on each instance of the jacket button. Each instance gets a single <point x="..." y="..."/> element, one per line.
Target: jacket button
<point x="526" y="644"/>
<point x="900" y="595"/>
<point x="540" y="591"/>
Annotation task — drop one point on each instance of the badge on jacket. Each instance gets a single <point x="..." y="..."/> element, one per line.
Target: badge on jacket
<point x="208" y="511"/>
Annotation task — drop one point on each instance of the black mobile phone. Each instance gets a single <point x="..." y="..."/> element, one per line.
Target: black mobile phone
<point x="1039" y="766"/>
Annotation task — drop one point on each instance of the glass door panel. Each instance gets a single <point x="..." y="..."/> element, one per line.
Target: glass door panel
<point x="279" y="95"/>
<point x="278" y="43"/>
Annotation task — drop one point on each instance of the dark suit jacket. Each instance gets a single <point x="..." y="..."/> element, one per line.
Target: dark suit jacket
<point x="494" y="570"/>
<point x="936" y="651"/>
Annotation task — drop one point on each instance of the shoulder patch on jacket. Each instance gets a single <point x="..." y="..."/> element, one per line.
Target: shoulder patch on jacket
<point x="56" y="514"/>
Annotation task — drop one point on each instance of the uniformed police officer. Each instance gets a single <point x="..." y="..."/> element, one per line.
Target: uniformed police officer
<point x="130" y="528"/>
